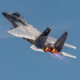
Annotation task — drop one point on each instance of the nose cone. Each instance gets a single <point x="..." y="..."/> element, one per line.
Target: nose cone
<point x="4" y="13"/>
<point x="7" y="15"/>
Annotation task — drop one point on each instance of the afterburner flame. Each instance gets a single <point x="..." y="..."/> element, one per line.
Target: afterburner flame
<point x="47" y="49"/>
<point x="54" y="51"/>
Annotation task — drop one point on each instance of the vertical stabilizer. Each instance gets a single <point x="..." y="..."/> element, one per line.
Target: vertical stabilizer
<point x="60" y="42"/>
<point x="40" y="41"/>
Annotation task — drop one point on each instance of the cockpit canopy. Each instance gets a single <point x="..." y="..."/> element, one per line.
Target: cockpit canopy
<point x="16" y="14"/>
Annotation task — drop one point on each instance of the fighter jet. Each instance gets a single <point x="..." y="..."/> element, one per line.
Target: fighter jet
<point x="41" y="41"/>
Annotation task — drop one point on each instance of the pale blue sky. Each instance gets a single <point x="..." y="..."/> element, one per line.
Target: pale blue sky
<point x="19" y="62"/>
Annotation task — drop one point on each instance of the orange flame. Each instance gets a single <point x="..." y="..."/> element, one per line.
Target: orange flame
<point x="54" y="51"/>
<point x="47" y="49"/>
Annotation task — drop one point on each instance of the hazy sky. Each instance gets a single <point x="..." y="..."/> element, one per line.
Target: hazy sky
<point x="19" y="62"/>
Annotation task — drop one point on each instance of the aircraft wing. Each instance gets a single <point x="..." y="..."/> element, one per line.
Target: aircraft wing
<point x="68" y="55"/>
<point x="28" y="32"/>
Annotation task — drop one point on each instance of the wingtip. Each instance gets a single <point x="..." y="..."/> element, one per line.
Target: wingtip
<point x="74" y="57"/>
<point x="74" y="47"/>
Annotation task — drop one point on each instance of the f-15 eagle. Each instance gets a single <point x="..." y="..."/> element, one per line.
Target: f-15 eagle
<point x="41" y="41"/>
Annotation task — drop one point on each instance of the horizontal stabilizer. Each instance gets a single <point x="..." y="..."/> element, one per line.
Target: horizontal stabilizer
<point x="68" y="55"/>
<point x="36" y="49"/>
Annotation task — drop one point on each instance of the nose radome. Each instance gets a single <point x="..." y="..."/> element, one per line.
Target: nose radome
<point x="4" y="13"/>
<point x="7" y="15"/>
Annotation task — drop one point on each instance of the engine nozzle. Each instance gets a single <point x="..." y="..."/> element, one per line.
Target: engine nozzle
<point x="51" y="50"/>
